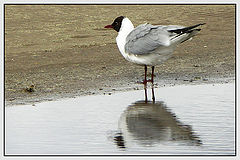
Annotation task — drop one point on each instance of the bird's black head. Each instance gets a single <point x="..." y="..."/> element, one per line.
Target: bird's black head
<point x="116" y="25"/>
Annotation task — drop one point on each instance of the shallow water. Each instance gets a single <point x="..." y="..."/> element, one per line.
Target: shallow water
<point x="184" y="120"/>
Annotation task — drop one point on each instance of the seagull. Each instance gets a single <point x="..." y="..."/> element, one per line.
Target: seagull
<point x="149" y="45"/>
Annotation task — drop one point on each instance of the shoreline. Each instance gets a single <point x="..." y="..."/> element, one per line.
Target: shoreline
<point x="110" y="91"/>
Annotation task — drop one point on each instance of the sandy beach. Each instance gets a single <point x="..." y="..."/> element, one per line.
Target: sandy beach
<point x="64" y="50"/>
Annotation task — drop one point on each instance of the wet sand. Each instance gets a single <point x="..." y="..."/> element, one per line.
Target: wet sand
<point x="64" y="51"/>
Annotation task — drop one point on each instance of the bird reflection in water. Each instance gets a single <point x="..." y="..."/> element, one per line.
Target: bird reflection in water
<point x="153" y="95"/>
<point x="150" y="123"/>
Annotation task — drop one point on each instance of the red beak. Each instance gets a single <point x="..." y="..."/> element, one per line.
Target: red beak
<point x="108" y="26"/>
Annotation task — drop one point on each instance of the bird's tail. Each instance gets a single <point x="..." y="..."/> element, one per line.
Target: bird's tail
<point x="183" y="34"/>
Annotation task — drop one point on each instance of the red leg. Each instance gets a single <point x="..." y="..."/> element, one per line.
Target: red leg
<point x="145" y="77"/>
<point x="152" y="74"/>
<point x="153" y="96"/>
<point x="145" y="89"/>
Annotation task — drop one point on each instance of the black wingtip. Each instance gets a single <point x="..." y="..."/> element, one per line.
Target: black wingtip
<point x="186" y="29"/>
<point x="198" y="29"/>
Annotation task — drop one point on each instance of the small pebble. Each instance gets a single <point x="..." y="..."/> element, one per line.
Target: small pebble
<point x="197" y="78"/>
<point x="196" y="65"/>
<point x="30" y="89"/>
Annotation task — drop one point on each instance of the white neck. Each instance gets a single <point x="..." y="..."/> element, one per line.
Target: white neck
<point x="125" y="29"/>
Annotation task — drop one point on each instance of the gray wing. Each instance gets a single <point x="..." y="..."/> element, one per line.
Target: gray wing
<point x="146" y="38"/>
<point x="171" y="27"/>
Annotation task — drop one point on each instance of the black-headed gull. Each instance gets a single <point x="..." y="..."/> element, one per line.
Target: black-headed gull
<point x="147" y="44"/>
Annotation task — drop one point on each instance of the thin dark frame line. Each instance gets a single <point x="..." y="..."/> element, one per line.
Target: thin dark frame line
<point x="101" y="3"/>
<point x="236" y="79"/>
<point x="4" y="116"/>
<point x="4" y="122"/>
